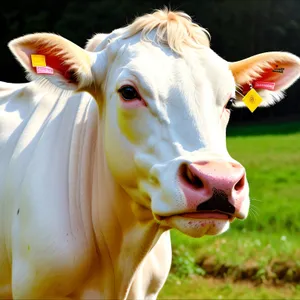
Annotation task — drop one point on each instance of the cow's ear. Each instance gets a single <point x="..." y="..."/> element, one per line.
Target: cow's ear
<point x="270" y="73"/>
<point x="56" y="59"/>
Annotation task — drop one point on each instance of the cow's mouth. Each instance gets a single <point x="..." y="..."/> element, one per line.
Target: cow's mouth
<point x="217" y="207"/>
<point x="210" y="217"/>
<point x="217" y="215"/>
<point x="197" y="224"/>
<point x="201" y="215"/>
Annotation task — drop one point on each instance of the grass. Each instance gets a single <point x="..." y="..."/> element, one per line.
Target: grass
<point x="200" y="288"/>
<point x="265" y="248"/>
<point x="272" y="163"/>
<point x="258" y="257"/>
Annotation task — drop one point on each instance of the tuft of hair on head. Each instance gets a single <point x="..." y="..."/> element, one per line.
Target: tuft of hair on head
<point x="173" y="28"/>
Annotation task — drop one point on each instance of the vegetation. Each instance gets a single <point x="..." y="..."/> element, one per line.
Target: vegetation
<point x="200" y="288"/>
<point x="261" y="251"/>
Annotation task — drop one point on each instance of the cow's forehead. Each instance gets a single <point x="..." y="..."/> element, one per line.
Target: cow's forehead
<point x="160" y="69"/>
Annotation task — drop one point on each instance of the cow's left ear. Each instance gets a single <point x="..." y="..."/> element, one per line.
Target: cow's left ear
<point x="269" y="73"/>
<point x="59" y="61"/>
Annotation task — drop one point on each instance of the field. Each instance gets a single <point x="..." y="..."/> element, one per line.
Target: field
<point x="258" y="258"/>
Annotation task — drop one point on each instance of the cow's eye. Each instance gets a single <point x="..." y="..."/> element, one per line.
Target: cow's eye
<point x="129" y="93"/>
<point x="230" y="103"/>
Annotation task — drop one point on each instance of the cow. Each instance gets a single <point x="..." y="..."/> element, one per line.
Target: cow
<point x="109" y="147"/>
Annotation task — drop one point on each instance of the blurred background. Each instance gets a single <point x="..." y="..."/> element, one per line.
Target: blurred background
<point x="260" y="257"/>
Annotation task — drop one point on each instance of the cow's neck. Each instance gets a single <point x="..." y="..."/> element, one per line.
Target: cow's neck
<point x="124" y="233"/>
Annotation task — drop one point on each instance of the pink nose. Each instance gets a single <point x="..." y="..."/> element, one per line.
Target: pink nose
<point x="223" y="182"/>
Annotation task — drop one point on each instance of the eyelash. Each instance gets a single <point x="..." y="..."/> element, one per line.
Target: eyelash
<point x="231" y="102"/>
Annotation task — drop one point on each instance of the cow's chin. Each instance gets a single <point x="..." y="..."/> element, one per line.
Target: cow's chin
<point x="197" y="227"/>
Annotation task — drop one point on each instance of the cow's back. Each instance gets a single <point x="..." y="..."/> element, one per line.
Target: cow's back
<point x="37" y="132"/>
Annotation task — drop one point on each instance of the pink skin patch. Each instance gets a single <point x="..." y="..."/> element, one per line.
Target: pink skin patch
<point x="199" y="180"/>
<point x="44" y="70"/>
<point x="132" y="104"/>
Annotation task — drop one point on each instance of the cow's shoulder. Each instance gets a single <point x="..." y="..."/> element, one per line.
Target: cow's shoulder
<point x="39" y="131"/>
<point x="23" y="91"/>
<point x="8" y="87"/>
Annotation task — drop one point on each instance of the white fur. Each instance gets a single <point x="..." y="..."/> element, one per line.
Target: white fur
<point x="82" y="182"/>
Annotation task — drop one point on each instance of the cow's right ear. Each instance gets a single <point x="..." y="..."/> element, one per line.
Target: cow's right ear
<point x="66" y="65"/>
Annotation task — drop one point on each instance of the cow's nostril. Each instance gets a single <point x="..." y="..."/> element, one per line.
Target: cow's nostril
<point x="190" y="178"/>
<point x="240" y="184"/>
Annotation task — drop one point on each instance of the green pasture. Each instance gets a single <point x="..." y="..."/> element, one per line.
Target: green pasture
<point x="258" y="258"/>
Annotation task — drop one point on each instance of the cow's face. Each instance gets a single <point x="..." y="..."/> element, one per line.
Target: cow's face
<point x="165" y="136"/>
<point x="165" y="117"/>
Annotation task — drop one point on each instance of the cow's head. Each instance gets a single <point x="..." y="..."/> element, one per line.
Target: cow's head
<point x="165" y="98"/>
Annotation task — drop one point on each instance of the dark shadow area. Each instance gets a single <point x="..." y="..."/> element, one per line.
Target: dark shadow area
<point x="239" y="29"/>
<point x="274" y="127"/>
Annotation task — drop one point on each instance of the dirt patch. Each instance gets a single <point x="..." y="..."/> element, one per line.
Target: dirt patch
<point x="276" y="272"/>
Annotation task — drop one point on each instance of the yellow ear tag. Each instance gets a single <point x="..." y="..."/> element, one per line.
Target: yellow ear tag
<point x="38" y="60"/>
<point x="252" y="100"/>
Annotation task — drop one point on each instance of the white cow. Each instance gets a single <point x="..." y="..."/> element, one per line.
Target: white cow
<point x="125" y="141"/>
